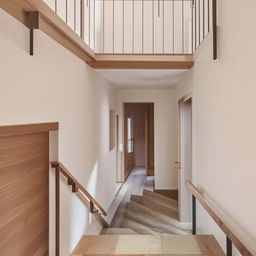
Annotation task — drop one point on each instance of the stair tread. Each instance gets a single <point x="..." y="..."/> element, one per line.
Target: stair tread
<point x="158" y="206"/>
<point x="140" y="228"/>
<point x="147" y="245"/>
<point x="152" y="222"/>
<point x="137" y="199"/>
<point x="118" y="231"/>
<point x="161" y="218"/>
<point x="167" y="204"/>
<point x="160" y="197"/>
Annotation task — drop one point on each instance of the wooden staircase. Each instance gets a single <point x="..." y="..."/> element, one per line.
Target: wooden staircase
<point x="148" y="228"/>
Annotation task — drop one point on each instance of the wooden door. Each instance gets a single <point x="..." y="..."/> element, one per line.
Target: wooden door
<point x="24" y="198"/>
<point x="149" y="139"/>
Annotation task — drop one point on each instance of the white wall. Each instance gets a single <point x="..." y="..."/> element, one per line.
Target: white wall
<point x="224" y="122"/>
<point x="165" y="107"/>
<point x="55" y="86"/>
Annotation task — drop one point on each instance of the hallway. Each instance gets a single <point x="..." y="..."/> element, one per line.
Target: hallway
<point x="136" y="182"/>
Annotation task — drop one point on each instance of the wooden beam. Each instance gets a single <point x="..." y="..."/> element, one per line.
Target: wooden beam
<point x="142" y="61"/>
<point x="11" y="130"/>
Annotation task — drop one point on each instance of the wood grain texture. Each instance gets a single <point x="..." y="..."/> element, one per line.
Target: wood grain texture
<point x="142" y="61"/>
<point x="149" y="139"/>
<point x="24" y="194"/>
<point x="123" y="64"/>
<point x="148" y="245"/>
<point x="171" y="193"/>
<point x="236" y="241"/>
<point x="11" y="130"/>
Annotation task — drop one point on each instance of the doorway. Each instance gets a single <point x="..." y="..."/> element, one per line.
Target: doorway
<point x="185" y="157"/>
<point x="138" y="126"/>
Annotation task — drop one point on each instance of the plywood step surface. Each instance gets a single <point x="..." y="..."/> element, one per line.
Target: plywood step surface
<point x="118" y="231"/>
<point x="141" y="209"/>
<point x="160" y="197"/>
<point x="137" y="199"/>
<point x="153" y="223"/>
<point x="161" y="207"/>
<point x="147" y="245"/>
<point x="141" y="228"/>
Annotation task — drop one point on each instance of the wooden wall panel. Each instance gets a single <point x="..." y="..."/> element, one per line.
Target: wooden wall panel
<point x="24" y="198"/>
<point x="149" y="134"/>
<point x="129" y="158"/>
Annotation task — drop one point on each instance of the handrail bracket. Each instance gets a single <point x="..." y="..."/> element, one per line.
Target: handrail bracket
<point x="33" y="20"/>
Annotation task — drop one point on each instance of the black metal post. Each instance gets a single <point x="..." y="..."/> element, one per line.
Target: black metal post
<point x="31" y="42"/>
<point x="193" y="215"/>
<point x="229" y="247"/>
<point x="214" y="27"/>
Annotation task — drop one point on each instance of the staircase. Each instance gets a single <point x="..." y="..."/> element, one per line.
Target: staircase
<point x="150" y="214"/>
<point x="150" y="226"/>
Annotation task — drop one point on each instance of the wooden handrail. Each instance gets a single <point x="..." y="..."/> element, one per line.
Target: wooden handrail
<point x="235" y="240"/>
<point x="68" y="175"/>
<point x="81" y="192"/>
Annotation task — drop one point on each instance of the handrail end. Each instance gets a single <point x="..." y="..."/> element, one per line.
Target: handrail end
<point x="55" y="164"/>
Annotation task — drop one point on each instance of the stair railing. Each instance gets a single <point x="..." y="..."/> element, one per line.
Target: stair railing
<point x="94" y="207"/>
<point x="231" y="238"/>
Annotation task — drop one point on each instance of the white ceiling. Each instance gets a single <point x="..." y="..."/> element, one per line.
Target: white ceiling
<point x="142" y="78"/>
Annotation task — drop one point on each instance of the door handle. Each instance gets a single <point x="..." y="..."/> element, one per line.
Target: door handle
<point x="178" y="164"/>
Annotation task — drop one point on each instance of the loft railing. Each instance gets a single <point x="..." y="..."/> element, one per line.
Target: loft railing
<point x="140" y="26"/>
<point x="94" y="207"/>
<point x="231" y="238"/>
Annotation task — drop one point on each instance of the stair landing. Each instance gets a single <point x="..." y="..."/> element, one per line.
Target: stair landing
<point x="142" y="245"/>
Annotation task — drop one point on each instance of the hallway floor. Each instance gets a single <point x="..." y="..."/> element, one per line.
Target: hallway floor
<point x="137" y="182"/>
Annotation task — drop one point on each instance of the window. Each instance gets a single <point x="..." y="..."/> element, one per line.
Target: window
<point x="129" y="135"/>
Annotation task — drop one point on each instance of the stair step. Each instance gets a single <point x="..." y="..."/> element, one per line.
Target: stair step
<point x="161" y="218"/>
<point x="160" y="197"/>
<point x="137" y="199"/>
<point x="140" y="228"/>
<point x="160" y="206"/>
<point x="156" y="245"/>
<point x="118" y="231"/>
<point x="152" y="222"/>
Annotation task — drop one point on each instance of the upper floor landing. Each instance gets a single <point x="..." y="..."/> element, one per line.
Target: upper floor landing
<point x="121" y="34"/>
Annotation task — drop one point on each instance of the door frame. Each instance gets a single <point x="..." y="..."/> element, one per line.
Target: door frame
<point x="124" y="135"/>
<point x="181" y="102"/>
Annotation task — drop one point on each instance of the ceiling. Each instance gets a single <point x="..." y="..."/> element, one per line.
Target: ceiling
<point x="142" y="78"/>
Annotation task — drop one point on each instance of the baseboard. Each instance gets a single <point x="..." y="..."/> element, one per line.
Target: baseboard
<point x="186" y="225"/>
<point x="171" y="193"/>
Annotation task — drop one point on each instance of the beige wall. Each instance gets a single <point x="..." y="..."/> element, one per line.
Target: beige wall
<point x="224" y="122"/>
<point x="55" y="86"/>
<point x="166" y="129"/>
